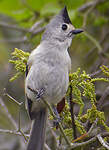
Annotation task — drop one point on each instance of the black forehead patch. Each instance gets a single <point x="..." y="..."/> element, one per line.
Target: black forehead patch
<point x="64" y="14"/>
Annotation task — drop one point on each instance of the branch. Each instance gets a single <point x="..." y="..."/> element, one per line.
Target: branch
<point x="8" y="114"/>
<point x="47" y="147"/>
<point x="13" y="27"/>
<point x="53" y="134"/>
<point x="60" y="126"/>
<point x="12" y="132"/>
<point x="18" y="128"/>
<point x="90" y="4"/>
<point x="86" y="6"/>
<point x="21" y="29"/>
<point x="103" y="143"/>
<point x="87" y="13"/>
<point x="72" y="113"/>
<point x="76" y="145"/>
<point x="101" y="100"/>
<point x="92" y="75"/>
<point x="17" y="40"/>
<point x="94" y="48"/>
<point x="38" y="31"/>
<point x="19" y="134"/>
<point x="92" y="127"/>
<point x="23" y="39"/>
<point x="96" y="43"/>
<point x="12" y="99"/>
<point x="34" y="30"/>
<point x="36" y="25"/>
<point x="96" y="73"/>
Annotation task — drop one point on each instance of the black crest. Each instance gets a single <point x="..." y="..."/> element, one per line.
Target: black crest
<point x="64" y="14"/>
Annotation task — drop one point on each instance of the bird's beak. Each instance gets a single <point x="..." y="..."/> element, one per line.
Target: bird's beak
<point x="74" y="31"/>
<point x="77" y="31"/>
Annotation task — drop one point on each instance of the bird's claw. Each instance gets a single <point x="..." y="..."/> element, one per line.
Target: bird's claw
<point x="58" y="119"/>
<point x="38" y="93"/>
<point x="56" y="122"/>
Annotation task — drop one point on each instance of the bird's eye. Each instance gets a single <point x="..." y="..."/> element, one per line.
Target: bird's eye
<point x="64" y="27"/>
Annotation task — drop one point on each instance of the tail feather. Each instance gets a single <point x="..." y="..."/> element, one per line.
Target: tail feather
<point x="37" y="136"/>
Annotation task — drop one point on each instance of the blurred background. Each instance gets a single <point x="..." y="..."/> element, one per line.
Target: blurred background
<point x="22" y="23"/>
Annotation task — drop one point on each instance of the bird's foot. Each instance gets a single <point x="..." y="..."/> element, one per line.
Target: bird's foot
<point x="38" y="93"/>
<point x="57" y="120"/>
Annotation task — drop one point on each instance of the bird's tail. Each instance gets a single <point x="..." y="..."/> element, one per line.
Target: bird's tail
<point x="37" y="136"/>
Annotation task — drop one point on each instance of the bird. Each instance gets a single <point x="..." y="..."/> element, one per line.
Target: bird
<point x="47" y="74"/>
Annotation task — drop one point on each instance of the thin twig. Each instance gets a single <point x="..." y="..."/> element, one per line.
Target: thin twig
<point x="101" y="60"/>
<point x="19" y="133"/>
<point x="17" y="40"/>
<point x="36" y="25"/>
<point x="23" y="39"/>
<point x="103" y="143"/>
<point x="94" y="48"/>
<point x="34" y="30"/>
<point x="87" y="13"/>
<point x="12" y="120"/>
<point x="72" y="113"/>
<point x="22" y="133"/>
<point x="102" y="98"/>
<point x="12" y="99"/>
<point x="47" y="147"/>
<point x="76" y="145"/>
<point x="19" y="121"/>
<point x="12" y="132"/>
<point x="53" y="134"/>
<point x="19" y="126"/>
<point x="90" y="4"/>
<point x="60" y="126"/>
<point x="8" y="114"/>
<point x="96" y="43"/>
<point x="38" y="31"/>
<point x="92" y="127"/>
<point x="92" y="75"/>
<point x="21" y="29"/>
<point x="13" y="27"/>
<point x="86" y="6"/>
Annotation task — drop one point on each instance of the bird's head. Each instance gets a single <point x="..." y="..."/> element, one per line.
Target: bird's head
<point x="60" y="29"/>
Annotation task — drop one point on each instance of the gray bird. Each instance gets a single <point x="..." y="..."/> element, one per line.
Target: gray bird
<point x="47" y="74"/>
